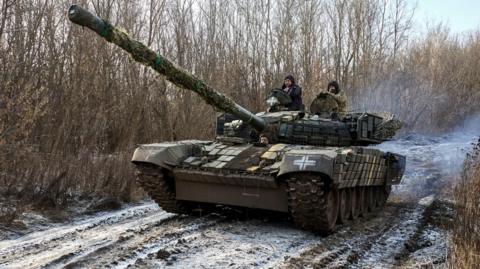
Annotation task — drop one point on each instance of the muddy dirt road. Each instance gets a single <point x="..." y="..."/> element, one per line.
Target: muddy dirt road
<point x="412" y="230"/>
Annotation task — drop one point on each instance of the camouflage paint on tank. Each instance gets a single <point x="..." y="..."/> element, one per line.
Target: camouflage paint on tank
<point x="345" y="166"/>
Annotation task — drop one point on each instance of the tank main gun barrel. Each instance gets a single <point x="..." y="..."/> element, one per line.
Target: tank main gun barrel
<point x="172" y="72"/>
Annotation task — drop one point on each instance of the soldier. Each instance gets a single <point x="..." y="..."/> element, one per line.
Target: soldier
<point x="264" y="140"/>
<point x="294" y="91"/>
<point x="333" y="89"/>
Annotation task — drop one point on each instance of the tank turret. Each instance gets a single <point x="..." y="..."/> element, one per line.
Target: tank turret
<point x="277" y="123"/>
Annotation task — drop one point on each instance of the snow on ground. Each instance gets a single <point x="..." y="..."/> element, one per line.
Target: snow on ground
<point x="407" y="233"/>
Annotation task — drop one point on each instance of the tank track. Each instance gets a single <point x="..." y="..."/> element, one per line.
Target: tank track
<point x="314" y="206"/>
<point x="307" y="202"/>
<point x="152" y="180"/>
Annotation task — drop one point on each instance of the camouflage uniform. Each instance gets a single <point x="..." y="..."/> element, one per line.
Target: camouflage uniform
<point x="341" y="98"/>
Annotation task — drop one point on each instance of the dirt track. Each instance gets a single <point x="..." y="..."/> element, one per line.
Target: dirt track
<point x="410" y="231"/>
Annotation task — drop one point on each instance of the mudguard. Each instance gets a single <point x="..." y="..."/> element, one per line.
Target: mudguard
<point x="396" y="168"/>
<point x="168" y="154"/>
<point x="320" y="161"/>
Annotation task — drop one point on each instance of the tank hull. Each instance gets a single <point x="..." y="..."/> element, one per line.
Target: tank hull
<point x="318" y="186"/>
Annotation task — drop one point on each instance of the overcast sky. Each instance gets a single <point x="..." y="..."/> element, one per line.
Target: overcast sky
<point x="460" y="15"/>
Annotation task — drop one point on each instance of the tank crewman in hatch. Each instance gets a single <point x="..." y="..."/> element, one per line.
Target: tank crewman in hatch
<point x="333" y="89"/>
<point x="291" y="88"/>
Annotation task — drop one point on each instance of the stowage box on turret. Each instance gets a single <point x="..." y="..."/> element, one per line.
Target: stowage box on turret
<point x="312" y="165"/>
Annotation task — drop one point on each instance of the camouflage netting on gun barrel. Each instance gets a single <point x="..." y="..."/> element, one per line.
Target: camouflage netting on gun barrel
<point x="173" y="73"/>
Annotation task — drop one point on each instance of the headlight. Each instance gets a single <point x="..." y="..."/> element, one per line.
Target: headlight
<point x="272" y="101"/>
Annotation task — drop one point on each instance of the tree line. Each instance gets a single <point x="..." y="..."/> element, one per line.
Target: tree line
<point x="73" y="108"/>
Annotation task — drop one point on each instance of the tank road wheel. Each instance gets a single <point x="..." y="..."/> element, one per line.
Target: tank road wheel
<point x="313" y="206"/>
<point x="360" y="197"/>
<point x="344" y="206"/>
<point x="331" y="208"/>
<point x="154" y="183"/>
<point x="354" y="212"/>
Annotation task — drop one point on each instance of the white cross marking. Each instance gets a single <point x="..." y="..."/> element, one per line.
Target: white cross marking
<point x="304" y="162"/>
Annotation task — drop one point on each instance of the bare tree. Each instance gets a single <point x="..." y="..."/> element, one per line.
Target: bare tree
<point x="68" y="96"/>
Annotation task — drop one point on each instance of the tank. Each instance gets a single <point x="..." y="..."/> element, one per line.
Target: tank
<point x="312" y="164"/>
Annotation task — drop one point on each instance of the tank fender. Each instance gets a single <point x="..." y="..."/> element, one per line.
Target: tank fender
<point x="168" y="154"/>
<point x="321" y="161"/>
<point x="396" y="167"/>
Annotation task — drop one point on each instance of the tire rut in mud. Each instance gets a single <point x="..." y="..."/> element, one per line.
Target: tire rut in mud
<point x="216" y="242"/>
<point x="436" y="219"/>
<point x="234" y="244"/>
<point x="401" y="236"/>
<point x="344" y="248"/>
<point x="130" y="248"/>
<point x="75" y="259"/>
<point x="60" y="244"/>
<point x="34" y="242"/>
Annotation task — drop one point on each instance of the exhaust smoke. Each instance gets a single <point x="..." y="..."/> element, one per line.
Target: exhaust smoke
<point x="433" y="161"/>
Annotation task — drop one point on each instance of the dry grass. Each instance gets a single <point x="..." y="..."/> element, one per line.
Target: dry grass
<point x="53" y="180"/>
<point x="465" y="243"/>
